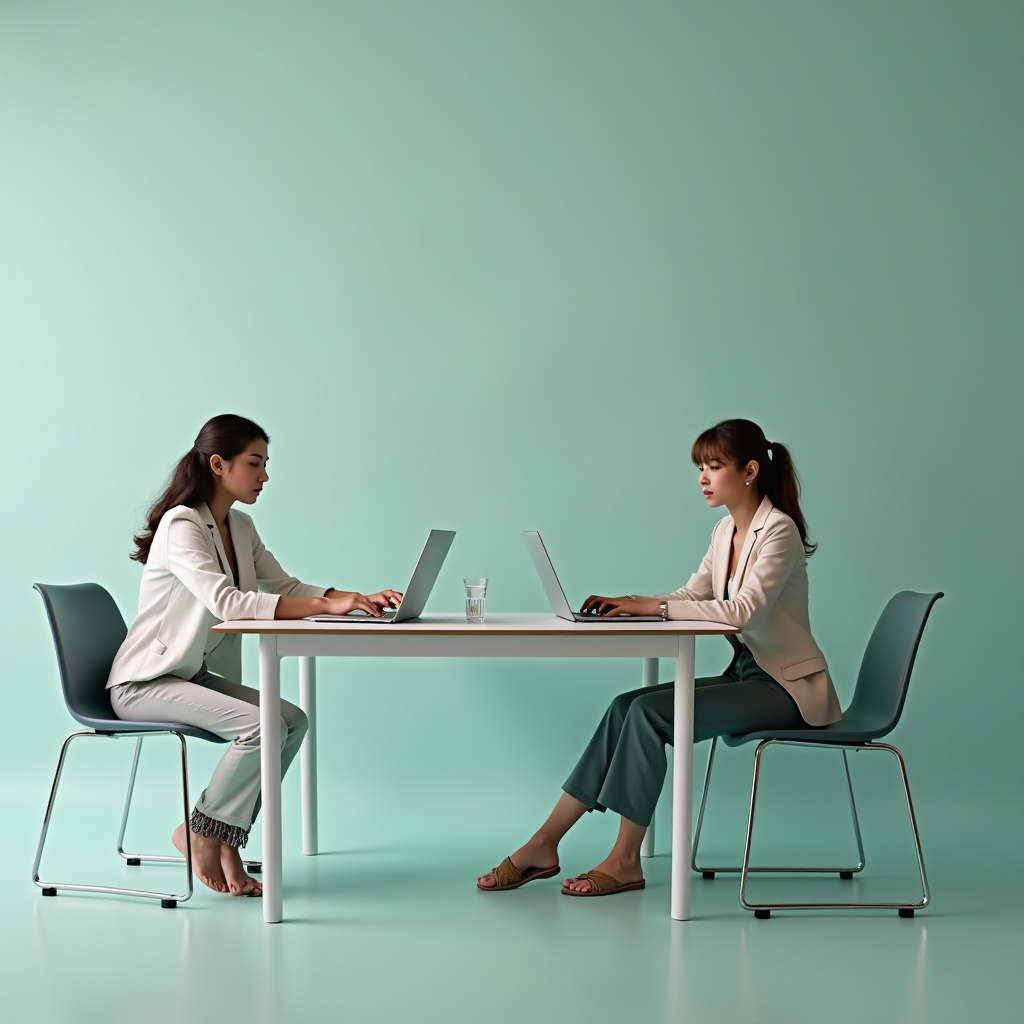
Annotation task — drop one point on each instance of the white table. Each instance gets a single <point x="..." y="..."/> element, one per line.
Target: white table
<point x="527" y="635"/>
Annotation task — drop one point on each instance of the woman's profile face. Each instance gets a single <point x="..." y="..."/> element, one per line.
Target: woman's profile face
<point x="725" y="483"/>
<point x="243" y="476"/>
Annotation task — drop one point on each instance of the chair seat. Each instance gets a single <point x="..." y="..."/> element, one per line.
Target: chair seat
<point x="851" y="728"/>
<point x="117" y="725"/>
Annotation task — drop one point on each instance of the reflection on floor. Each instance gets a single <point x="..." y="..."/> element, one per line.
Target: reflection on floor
<point x="399" y="933"/>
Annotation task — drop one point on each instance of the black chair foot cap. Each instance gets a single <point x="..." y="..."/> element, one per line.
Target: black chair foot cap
<point x="134" y="862"/>
<point x="708" y="876"/>
<point x="49" y="892"/>
<point x="846" y="876"/>
<point x="762" y="915"/>
<point x="168" y="904"/>
<point x="254" y="869"/>
<point x="906" y="911"/>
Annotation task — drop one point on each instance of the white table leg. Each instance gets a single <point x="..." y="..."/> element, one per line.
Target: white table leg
<point x="682" y="780"/>
<point x="649" y="678"/>
<point x="270" y="775"/>
<point x="307" y="701"/>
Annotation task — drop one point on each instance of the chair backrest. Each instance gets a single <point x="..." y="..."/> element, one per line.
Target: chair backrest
<point x="887" y="663"/>
<point x="87" y="631"/>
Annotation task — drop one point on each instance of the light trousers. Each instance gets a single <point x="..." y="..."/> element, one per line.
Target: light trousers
<point x="207" y="701"/>
<point x="623" y="767"/>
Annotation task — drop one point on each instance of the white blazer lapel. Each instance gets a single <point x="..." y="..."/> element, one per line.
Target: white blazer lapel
<point x="756" y="526"/>
<point x="214" y="539"/>
<point x="720" y="558"/>
<point x="241" y="538"/>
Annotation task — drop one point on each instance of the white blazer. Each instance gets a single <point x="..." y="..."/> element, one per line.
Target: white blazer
<point x="187" y="588"/>
<point x="769" y="605"/>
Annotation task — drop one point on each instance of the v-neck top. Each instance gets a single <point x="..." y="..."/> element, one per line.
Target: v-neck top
<point x="225" y="562"/>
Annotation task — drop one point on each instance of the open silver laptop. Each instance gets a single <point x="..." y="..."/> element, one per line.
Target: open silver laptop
<point x="556" y="595"/>
<point x="414" y="600"/>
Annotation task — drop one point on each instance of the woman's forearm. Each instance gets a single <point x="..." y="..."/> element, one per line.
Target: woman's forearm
<point x="300" y="607"/>
<point x="334" y="602"/>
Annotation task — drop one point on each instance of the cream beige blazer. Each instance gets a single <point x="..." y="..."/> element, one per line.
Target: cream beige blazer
<point x="187" y="588"/>
<point x="769" y="606"/>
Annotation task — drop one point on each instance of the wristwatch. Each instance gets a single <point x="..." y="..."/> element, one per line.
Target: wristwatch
<point x="663" y="608"/>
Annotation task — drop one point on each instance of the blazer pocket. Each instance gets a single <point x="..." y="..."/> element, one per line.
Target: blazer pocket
<point x="807" y="667"/>
<point x="158" y="647"/>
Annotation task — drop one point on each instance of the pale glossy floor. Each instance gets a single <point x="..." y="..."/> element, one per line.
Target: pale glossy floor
<point x="392" y="929"/>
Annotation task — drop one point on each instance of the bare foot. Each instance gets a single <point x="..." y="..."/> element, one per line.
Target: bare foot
<point x="240" y="883"/>
<point x="205" y="858"/>
<point x="623" y="870"/>
<point x="535" y="854"/>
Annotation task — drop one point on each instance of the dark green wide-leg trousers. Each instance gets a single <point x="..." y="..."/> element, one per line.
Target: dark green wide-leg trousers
<point x="623" y="767"/>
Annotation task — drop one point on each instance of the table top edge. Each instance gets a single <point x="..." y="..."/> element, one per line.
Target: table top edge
<point x="300" y="627"/>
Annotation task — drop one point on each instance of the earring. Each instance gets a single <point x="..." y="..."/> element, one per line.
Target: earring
<point x="748" y="483"/>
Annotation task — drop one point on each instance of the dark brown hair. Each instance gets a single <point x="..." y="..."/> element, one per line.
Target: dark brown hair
<point x="191" y="482"/>
<point x="740" y="442"/>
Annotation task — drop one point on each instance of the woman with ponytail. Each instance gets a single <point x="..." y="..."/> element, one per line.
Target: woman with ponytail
<point x="754" y="577"/>
<point x="203" y="562"/>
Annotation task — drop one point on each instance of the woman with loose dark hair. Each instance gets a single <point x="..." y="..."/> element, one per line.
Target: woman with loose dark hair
<point x="203" y="562"/>
<point x="754" y="577"/>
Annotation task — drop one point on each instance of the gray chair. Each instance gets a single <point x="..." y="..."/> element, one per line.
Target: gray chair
<point x="87" y="631"/>
<point x="873" y="713"/>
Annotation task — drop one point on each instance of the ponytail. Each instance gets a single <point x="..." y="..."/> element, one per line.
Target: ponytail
<point x="740" y="442"/>
<point x="192" y="482"/>
<point x="781" y="485"/>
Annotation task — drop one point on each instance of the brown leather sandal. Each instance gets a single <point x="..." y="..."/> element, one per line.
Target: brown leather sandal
<point x="508" y="876"/>
<point x="602" y="885"/>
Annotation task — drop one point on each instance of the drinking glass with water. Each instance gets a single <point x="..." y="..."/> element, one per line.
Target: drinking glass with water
<point x="476" y="599"/>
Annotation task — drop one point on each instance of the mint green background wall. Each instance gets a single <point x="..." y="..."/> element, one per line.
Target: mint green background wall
<point x="434" y="248"/>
